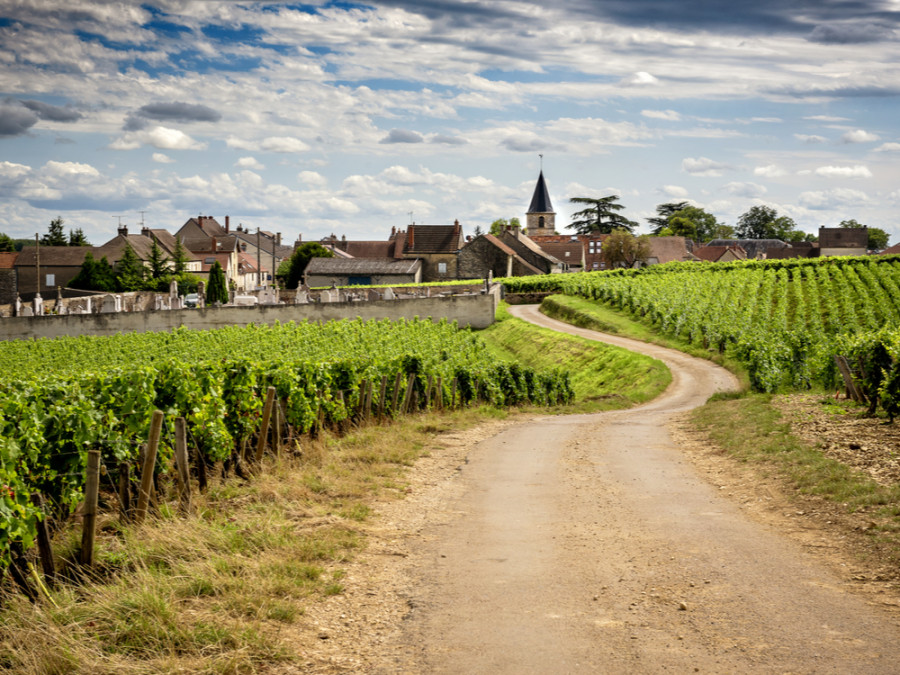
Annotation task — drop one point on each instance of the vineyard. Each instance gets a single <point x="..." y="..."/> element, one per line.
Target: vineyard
<point x="785" y="320"/>
<point x="62" y="399"/>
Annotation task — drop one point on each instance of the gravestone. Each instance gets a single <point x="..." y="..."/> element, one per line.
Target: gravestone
<point x="37" y="305"/>
<point x="389" y="294"/>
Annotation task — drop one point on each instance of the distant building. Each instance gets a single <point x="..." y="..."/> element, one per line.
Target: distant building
<point x="362" y="271"/>
<point x="540" y="219"/>
<point x="843" y="241"/>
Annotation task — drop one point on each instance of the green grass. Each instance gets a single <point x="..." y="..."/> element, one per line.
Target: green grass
<point x="604" y="377"/>
<point x="751" y="430"/>
<point x="597" y="316"/>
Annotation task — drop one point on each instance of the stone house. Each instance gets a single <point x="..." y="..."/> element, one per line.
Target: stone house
<point x="8" y="285"/>
<point x="362" y="271"/>
<point x="58" y="266"/>
<point x="486" y="255"/>
<point x="843" y="241"/>
<point x="436" y="246"/>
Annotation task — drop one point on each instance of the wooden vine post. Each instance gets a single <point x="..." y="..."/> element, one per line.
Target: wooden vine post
<point x="43" y="541"/>
<point x="264" y="425"/>
<point x="383" y="393"/>
<point x="396" y="398"/>
<point x="149" y="464"/>
<point x="89" y="520"/>
<point x="181" y="463"/>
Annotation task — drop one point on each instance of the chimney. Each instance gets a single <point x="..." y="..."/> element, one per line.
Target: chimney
<point x="123" y="230"/>
<point x="456" y="227"/>
<point x="278" y="238"/>
<point x="393" y="230"/>
<point x="215" y="246"/>
<point x="409" y="237"/>
<point x="227" y="224"/>
<point x="145" y="232"/>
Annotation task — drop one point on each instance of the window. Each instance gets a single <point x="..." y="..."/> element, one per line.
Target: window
<point x="594" y="246"/>
<point x="51" y="280"/>
<point x="442" y="268"/>
<point x="568" y="253"/>
<point x="541" y="221"/>
<point x="596" y="265"/>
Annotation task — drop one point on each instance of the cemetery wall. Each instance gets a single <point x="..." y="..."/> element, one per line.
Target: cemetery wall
<point x="476" y="311"/>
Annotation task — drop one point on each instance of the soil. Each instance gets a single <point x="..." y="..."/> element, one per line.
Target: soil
<point x="620" y="542"/>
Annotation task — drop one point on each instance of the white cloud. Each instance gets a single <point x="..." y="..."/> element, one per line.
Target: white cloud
<point x="858" y="171"/>
<point x="313" y="179"/>
<point x="64" y="170"/>
<point x="748" y="190"/>
<point x="769" y="171"/>
<point x="283" y="144"/>
<point x="827" y="118"/>
<point x="859" y="136"/>
<point x="249" y="163"/>
<point x="674" y="191"/>
<point x="13" y="170"/>
<point x="668" y="115"/>
<point x="161" y="158"/>
<point x="162" y="138"/>
<point x="888" y="147"/>
<point x="703" y="166"/>
<point x="806" y="138"/>
<point x="826" y="200"/>
<point x="641" y="79"/>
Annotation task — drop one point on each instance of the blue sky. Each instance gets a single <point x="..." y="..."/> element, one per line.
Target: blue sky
<point x="347" y="117"/>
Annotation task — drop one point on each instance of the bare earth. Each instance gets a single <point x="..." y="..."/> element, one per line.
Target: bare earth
<point x="609" y="543"/>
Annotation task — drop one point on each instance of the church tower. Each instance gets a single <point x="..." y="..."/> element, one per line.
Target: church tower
<point x="540" y="217"/>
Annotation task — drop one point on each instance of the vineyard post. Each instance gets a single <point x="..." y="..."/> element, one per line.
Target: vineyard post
<point x="407" y="399"/>
<point x="149" y="464"/>
<point x="428" y="383"/>
<point x="43" y="541"/>
<point x="278" y="424"/>
<point x="370" y="389"/>
<point x="440" y="392"/>
<point x="181" y="463"/>
<point x="342" y="425"/>
<point x="264" y="425"/>
<point x="201" y="468"/>
<point x="453" y="395"/>
<point x="361" y="403"/>
<point x="381" y="401"/>
<point x="125" y="490"/>
<point x="397" y="381"/>
<point x="89" y="520"/>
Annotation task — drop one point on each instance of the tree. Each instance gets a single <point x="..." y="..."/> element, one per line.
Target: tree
<point x="502" y="223"/>
<point x="129" y="271"/>
<point x="217" y="290"/>
<point x="763" y="222"/>
<point x="95" y="275"/>
<point x="300" y="259"/>
<point x="663" y="213"/>
<point x="623" y="249"/>
<point x="6" y="244"/>
<point x="56" y="235"/>
<point x="878" y="238"/>
<point x="179" y="258"/>
<point x="601" y="217"/>
<point x="159" y="263"/>
<point x="77" y="238"/>
<point x="478" y="231"/>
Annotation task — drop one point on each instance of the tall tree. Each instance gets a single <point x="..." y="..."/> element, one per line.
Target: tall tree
<point x="300" y="259"/>
<point x="217" y="290"/>
<point x="663" y="213"/>
<point x="501" y="223"/>
<point x="56" y="235"/>
<point x="159" y="263"/>
<point x="130" y="271"/>
<point x="601" y="217"/>
<point x="179" y="258"/>
<point x="763" y="222"/>
<point x="6" y="244"/>
<point x="77" y="238"/>
<point x="623" y="249"/>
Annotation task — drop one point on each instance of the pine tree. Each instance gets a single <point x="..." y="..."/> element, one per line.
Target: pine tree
<point x="94" y="275"/>
<point x="129" y="271"/>
<point x="77" y="238"/>
<point x="56" y="235"/>
<point x="159" y="263"/>
<point x="217" y="290"/>
<point x="179" y="259"/>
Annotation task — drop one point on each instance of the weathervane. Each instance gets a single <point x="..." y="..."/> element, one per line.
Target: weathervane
<point x="541" y="155"/>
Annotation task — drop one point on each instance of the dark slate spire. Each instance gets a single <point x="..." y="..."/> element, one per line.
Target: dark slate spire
<point x="540" y="202"/>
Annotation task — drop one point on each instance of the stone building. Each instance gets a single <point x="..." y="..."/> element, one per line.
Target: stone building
<point x="540" y="219"/>
<point x="436" y="246"/>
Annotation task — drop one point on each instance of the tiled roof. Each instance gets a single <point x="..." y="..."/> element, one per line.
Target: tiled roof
<point x="433" y="239"/>
<point x="56" y="256"/>
<point x="753" y="247"/>
<point x="8" y="260"/>
<point x="508" y="251"/>
<point x="570" y="252"/>
<point x="668" y="249"/>
<point x="892" y="250"/>
<point x="362" y="266"/>
<point x="369" y="249"/>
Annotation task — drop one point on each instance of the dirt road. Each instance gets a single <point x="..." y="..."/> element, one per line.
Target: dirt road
<point x="588" y="544"/>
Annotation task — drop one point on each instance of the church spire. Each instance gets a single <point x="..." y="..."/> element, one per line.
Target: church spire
<point x="540" y="217"/>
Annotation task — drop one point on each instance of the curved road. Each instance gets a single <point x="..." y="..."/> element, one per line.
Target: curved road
<point x="587" y="544"/>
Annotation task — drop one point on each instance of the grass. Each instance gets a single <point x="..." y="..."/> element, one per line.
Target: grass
<point x="595" y="315"/>
<point x="604" y="377"/>
<point x="751" y="430"/>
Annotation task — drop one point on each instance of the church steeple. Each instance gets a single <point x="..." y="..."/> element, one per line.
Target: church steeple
<point x="540" y="217"/>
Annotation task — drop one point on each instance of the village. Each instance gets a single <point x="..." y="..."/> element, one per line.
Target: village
<point x="36" y="280"/>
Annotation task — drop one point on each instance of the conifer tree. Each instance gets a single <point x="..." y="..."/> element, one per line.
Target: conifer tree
<point x="129" y="271"/>
<point x="217" y="290"/>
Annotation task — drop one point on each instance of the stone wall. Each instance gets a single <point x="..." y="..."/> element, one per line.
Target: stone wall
<point x="8" y="286"/>
<point x="475" y="310"/>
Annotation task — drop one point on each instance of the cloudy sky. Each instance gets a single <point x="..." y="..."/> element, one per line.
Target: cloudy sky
<point x="352" y="118"/>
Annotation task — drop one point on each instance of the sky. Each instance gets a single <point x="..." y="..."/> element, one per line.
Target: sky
<point x="353" y="118"/>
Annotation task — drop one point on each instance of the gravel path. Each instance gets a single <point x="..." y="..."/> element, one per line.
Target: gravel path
<point x="590" y="544"/>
